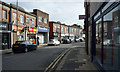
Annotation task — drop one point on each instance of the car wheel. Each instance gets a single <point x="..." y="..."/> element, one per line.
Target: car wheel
<point x="55" y="44"/>
<point x="26" y="50"/>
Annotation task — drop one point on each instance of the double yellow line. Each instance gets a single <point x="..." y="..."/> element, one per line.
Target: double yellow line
<point x="56" y="60"/>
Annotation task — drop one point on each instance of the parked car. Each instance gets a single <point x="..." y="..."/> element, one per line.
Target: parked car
<point x="81" y="39"/>
<point x="66" y="41"/>
<point x="107" y="42"/>
<point x="71" y="40"/>
<point x="76" y="40"/>
<point x="23" y="46"/>
<point x="54" y="42"/>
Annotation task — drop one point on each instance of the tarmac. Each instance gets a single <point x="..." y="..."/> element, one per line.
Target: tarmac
<point x="76" y="60"/>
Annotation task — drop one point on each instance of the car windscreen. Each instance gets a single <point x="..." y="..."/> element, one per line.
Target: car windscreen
<point x="19" y="42"/>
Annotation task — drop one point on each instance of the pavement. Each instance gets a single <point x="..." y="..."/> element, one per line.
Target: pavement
<point x="7" y="51"/>
<point x="76" y="60"/>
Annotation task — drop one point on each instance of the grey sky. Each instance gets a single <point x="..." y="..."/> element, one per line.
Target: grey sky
<point x="65" y="11"/>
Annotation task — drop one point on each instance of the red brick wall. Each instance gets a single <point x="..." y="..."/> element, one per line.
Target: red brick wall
<point x="57" y="25"/>
<point x="51" y="30"/>
<point x="43" y="15"/>
<point x="30" y="20"/>
<point x="23" y="14"/>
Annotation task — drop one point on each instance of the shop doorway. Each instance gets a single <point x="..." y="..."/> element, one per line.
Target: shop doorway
<point x="5" y="41"/>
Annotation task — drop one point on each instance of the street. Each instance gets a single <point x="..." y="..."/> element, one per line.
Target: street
<point x="35" y="60"/>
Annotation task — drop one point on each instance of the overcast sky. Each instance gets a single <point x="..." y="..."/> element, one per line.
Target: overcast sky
<point x="65" y="11"/>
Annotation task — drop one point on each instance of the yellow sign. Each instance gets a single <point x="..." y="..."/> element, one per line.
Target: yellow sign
<point x="35" y="29"/>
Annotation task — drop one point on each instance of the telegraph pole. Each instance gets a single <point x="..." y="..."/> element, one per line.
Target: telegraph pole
<point x="17" y="20"/>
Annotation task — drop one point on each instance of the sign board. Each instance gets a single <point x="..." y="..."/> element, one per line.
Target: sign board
<point x="82" y="17"/>
<point x="43" y="29"/>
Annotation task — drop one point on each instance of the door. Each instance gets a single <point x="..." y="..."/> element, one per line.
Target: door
<point x="41" y="38"/>
<point x="5" y="41"/>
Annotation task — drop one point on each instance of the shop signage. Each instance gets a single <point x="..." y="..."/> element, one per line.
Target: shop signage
<point x="3" y="26"/>
<point x="43" y="29"/>
<point x="32" y="29"/>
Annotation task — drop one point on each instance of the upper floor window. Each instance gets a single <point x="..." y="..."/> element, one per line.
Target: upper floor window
<point x="27" y="21"/>
<point x="45" y="20"/>
<point x="21" y="19"/>
<point x="14" y="18"/>
<point x="59" y="27"/>
<point x="4" y="14"/>
<point x="55" y="27"/>
<point x="33" y="21"/>
<point x="65" y="30"/>
<point x="40" y="19"/>
<point x="62" y="28"/>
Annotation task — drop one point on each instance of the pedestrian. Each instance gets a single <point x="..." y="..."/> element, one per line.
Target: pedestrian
<point x="37" y="40"/>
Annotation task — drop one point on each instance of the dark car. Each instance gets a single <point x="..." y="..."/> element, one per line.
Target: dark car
<point x="23" y="46"/>
<point x="66" y="41"/>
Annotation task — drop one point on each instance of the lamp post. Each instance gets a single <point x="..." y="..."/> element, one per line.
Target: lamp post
<point x="17" y="20"/>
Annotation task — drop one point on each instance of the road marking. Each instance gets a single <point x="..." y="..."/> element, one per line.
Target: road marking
<point x="56" y="60"/>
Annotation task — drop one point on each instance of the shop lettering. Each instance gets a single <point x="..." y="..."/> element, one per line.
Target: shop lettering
<point x="3" y="26"/>
<point x="42" y="28"/>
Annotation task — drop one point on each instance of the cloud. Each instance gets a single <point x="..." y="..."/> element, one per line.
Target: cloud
<point x="65" y="11"/>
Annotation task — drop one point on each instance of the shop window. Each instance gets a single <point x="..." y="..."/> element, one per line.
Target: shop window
<point x="98" y="38"/>
<point x="98" y="14"/>
<point x="40" y="19"/>
<point x="21" y="19"/>
<point x="111" y="41"/>
<point x="27" y="21"/>
<point x="106" y="6"/>
<point x="4" y="14"/>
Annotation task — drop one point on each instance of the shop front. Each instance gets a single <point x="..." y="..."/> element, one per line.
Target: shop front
<point x="5" y="34"/>
<point x="19" y="33"/>
<point x="31" y="34"/>
<point x="43" y="34"/>
<point x="105" y="40"/>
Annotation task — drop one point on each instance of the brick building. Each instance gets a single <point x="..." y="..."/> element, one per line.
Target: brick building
<point x="5" y="26"/>
<point x="42" y="25"/>
<point x="54" y="30"/>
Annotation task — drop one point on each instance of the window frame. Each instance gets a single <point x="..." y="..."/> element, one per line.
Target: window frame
<point x="5" y="14"/>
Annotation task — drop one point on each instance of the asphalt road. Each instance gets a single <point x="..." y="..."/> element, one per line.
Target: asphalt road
<point x="34" y="60"/>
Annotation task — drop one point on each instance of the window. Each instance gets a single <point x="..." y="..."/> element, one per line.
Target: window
<point x="111" y="43"/>
<point x="75" y="30"/>
<point x="27" y="21"/>
<point x="62" y="28"/>
<point x="33" y="22"/>
<point x="45" y="20"/>
<point x="21" y="19"/>
<point x="65" y="30"/>
<point x="55" y="28"/>
<point x="98" y="38"/>
<point x="4" y="14"/>
<point x="14" y="18"/>
<point x="40" y="19"/>
<point x="59" y="27"/>
<point x="72" y="30"/>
